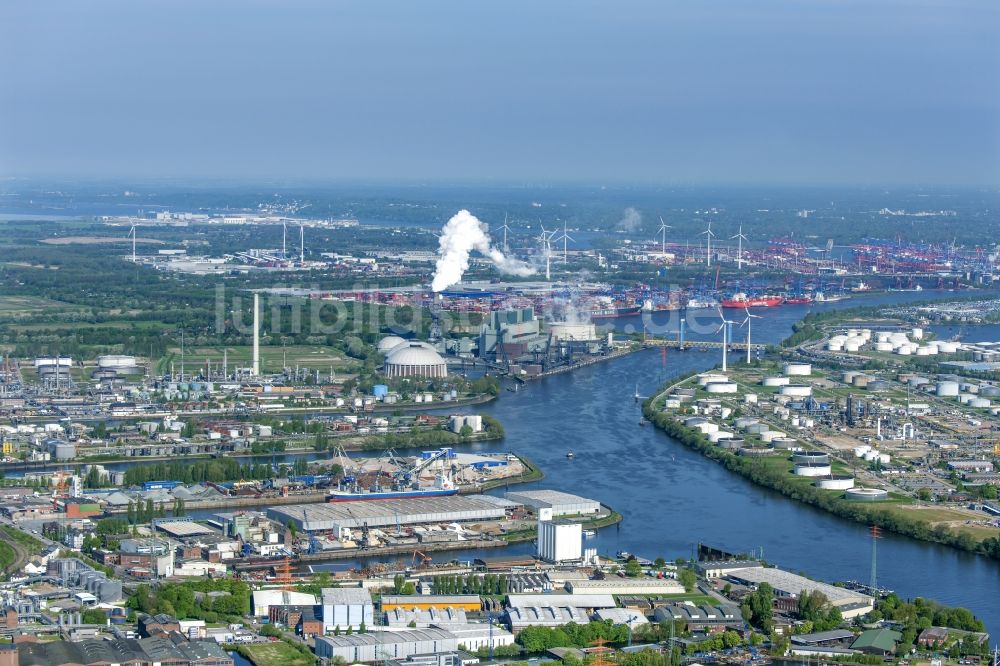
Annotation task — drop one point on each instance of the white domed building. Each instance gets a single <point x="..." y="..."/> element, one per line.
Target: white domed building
<point x="386" y="344"/>
<point x="415" y="359"/>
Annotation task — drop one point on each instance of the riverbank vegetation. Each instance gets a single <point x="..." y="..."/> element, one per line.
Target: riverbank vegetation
<point x="763" y="472"/>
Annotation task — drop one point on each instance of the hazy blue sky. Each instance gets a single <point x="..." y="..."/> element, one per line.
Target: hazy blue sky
<point x="824" y="91"/>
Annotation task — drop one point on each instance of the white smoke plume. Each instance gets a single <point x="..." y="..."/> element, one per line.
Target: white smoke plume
<point x="460" y="236"/>
<point x="631" y="220"/>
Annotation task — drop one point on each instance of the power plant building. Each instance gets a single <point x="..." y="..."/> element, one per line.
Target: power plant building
<point x="516" y="329"/>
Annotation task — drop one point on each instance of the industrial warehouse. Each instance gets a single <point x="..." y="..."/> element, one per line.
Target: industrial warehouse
<point x="338" y="517"/>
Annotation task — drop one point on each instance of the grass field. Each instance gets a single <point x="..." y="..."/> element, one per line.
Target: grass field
<point x="28" y="305"/>
<point x="277" y="653"/>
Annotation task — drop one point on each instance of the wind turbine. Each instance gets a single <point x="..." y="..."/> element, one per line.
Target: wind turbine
<point x="131" y="232"/>
<point x="746" y="322"/>
<point x="302" y="245"/>
<point x="739" y="251"/>
<point x="725" y="336"/>
<point x="546" y="239"/>
<point x="708" y="234"/>
<point x="284" y="234"/>
<point x="565" y="237"/>
<point x="663" y="235"/>
<point x="505" y="228"/>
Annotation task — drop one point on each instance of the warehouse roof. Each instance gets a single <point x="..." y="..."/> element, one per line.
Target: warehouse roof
<point x="883" y="640"/>
<point x="549" y="497"/>
<point x="348" y="596"/>
<point x="381" y="513"/>
<point x="822" y="637"/>
<point x="387" y="637"/>
<point x="561" y="600"/>
<point x="793" y="585"/>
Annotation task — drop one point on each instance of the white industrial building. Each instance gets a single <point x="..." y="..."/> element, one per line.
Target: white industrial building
<point x="562" y="504"/>
<point x="476" y="636"/>
<point x="851" y="604"/>
<point x="560" y="541"/>
<point x="347" y="607"/>
<point x="624" y="586"/>
<point x="415" y="359"/>
<point x="370" y="647"/>
<point x="264" y="599"/>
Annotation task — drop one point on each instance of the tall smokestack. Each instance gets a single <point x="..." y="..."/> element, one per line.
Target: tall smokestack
<point x="256" y="334"/>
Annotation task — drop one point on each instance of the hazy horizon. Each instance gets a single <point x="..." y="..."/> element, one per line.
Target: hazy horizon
<point x="784" y="93"/>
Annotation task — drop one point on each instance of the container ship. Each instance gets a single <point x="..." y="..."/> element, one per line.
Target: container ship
<point x="614" y="312"/>
<point x="442" y="487"/>
<point x="744" y="301"/>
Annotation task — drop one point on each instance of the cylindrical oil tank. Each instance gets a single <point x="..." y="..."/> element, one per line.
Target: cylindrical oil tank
<point x="719" y="434"/>
<point x="989" y="391"/>
<point x="866" y="494"/>
<point x="918" y="381"/>
<point x="812" y="469"/>
<point x="917" y="333"/>
<point x="848" y="376"/>
<point x="852" y="346"/>
<point x="771" y="435"/>
<point x="783" y="443"/>
<point x="810" y="457"/>
<point x="800" y="390"/>
<point x="798" y="369"/>
<point x="720" y="387"/>
<point x="861" y="381"/>
<point x="744" y="421"/>
<point x="980" y="403"/>
<point x="947" y="389"/>
<point x="707" y="427"/>
<point x="834" y="346"/>
<point x="878" y="385"/>
<point x="776" y="381"/>
<point x="905" y="350"/>
<point x="946" y="347"/>
<point x="756" y="451"/>
<point x="883" y="346"/>
<point x="733" y="443"/>
<point x="835" y="482"/>
<point x="757" y="428"/>
<point x="707" y="378"/>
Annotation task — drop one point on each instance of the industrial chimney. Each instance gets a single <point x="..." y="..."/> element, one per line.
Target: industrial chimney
<point x="256" y="334"/>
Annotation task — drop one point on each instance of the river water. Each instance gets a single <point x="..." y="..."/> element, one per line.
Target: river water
<point x="672" y="498"/>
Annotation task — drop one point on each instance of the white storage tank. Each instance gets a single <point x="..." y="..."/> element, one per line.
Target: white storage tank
<point x="776" y="381"/>
<point x="771" y="435"/>
<point x="852" y="346"/>
<point x="721" y="387"/>
<point x="708" y="378"/>
<point x="744" y="421"/>
<point x="947" y="389"/>
<point x="812" y="469"/>
<point x="849" y="375"/>
<point x="946" y="347"/>
<point x="719" y="434"/>
<point x="757" y="428"/>
<point x="707" y="428"/>
<point x="800" y="390"/>
<point x="917" y="333"/>
<point x="866" y="494"/>
<point x="798" y="369"/>
<point x="980" y="403"/>
<point x="835" y="482"/>
<point x="883" y="346"/>
<point x="810" y="457"/>
<point x="834" y="346"/>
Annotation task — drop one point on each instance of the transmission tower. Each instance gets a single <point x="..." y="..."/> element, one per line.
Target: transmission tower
<point x="876" y="533"/>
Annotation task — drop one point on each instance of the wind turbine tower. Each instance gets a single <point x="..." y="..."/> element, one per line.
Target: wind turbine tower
<point x="739" y="251"/>
<point x="131" y="233"/>
<point x="724" y="328"/>
<point x="284" y="234"/>
<point x="506" y="248"/>
<point x="565" y="237"/>
<point x="663" y="235"/>
<point x="302" y="245"/>
<point x="746" y="322"/>
<point x="708" y="235"/>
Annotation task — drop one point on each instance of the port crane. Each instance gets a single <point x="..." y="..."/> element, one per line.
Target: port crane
<point x="411" y="474"/>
